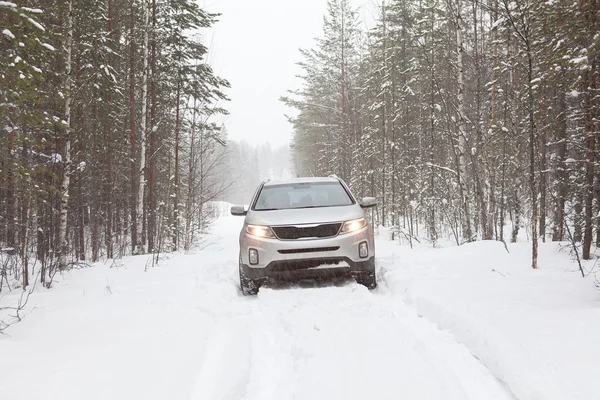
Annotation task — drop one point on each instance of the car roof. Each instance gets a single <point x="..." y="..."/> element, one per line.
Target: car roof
<point x="301" y="180"/>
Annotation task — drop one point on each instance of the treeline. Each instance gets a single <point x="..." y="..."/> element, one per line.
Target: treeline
<point x="107" y="145"/>
<point x="461" y="116"/>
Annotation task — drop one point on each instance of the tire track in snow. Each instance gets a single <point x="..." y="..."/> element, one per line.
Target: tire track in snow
<point x="339" y="343"/>
<point x="273" y="347"/>
<point x="226" y="367"/>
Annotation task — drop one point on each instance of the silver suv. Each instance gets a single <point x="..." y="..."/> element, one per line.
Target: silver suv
<point x="305" y="228"/>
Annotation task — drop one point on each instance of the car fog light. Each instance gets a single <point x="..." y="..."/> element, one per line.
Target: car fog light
<point x="363" y="250"/>
<point x="253" y="256"/>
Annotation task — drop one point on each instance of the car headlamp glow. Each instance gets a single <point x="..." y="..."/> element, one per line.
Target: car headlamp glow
<point x="354" y="225"/>
<point x="259" y="231"/>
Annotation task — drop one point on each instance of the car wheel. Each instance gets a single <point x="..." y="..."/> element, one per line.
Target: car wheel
<point x="368" y="279"/>
<point x="249" y="286"/>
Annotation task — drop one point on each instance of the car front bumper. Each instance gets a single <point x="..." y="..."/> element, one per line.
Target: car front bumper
<point x="298" y="270"/>
<point x="287" y="259"/>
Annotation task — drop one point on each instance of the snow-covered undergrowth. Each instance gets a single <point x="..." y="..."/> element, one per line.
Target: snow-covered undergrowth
<point x="535" y="330"/>
<point x="182" y="330"/>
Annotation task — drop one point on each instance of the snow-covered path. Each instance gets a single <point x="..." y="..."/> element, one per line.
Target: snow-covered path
<point x="183" y="331"/>
<point x="336" y="342"/>
<point x="341" y="343"/>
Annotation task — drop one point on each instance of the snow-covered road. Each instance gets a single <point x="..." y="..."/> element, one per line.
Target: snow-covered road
<point x="183" y="331"/>
<point x="336" y="342"/>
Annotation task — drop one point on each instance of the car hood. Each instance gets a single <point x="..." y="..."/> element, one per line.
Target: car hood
<point x="304" y="215"/>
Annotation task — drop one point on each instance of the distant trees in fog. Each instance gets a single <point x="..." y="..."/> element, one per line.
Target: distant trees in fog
<point x="250" y="164"/>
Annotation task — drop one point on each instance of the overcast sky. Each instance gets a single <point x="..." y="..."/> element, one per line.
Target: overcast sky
<point x="255" y="46"/>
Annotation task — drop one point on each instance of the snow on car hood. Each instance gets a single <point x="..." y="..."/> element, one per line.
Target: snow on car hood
<point x="304" y="215"/>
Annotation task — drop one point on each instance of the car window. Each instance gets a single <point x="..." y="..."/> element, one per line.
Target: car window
<point x="302" y="195"/>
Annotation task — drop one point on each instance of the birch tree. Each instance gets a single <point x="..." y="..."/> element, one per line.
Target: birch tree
<point x="64" y="201"/>
<point x="461" y="146"/>
<point x="140" y="247"/>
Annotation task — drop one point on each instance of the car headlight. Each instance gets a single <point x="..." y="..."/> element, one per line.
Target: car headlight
<point x="260" y="231"/>
<point x="354" y="225"/>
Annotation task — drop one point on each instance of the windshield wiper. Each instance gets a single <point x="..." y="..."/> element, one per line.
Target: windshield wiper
<point x="268" y="209"/>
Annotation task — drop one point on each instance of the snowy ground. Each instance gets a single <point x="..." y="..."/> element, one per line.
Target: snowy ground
<point x="460" y="323"/>
<point x="536" y="330"/>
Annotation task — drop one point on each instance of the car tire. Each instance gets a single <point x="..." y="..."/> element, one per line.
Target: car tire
<point x="248" y="286"/>
<point x="367" y="279"/>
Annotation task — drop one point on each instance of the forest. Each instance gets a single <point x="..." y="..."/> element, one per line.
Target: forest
<point x="125" y="140"/>
<point x="467" y="119"/>
<point x="109" y="139"/>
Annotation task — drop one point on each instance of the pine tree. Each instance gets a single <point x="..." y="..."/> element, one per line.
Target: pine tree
<point x="326" y="130"/>
<point x="79" y="95"/>
<point x="470" y="116"/>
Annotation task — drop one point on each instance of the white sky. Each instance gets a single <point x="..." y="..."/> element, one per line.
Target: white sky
<point x="255" y="46"/>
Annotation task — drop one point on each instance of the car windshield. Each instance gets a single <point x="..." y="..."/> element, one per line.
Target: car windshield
<point x="302" y="195"/>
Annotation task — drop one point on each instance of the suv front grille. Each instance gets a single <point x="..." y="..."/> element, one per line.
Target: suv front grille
<point x="300" y="232"/>
<point x="311" y="250"/>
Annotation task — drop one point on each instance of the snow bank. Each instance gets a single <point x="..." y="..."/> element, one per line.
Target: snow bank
<point x="534" y="330"/>
<point x="527" y="377"/>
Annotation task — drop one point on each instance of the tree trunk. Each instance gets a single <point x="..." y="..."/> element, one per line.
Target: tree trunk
<point x="490" y="162"/>
<point x="561" y="173"/>
<point x="78" y="148"/>
<point x="142" y="166"/>
<point x="543" y="177"/>
<point x="516" y="217"/>
<point x="590" y="143"/>
<point x="383" y="120"/>
<point x="11" y="201"/>
<point x="577" y="218"/>
<point x="532" y="180"/>
<point x="133" y="173"/>
<point x="42" y="231"/>
<point x="479" y="157"/>
<point x="153" y="149"/>
<point x="25" y="212"/>
<point x="64" y="200"/>
<point x="590" y="136"/>
<point x="595" y="105"/>
<point x="95" y="226"/>
<point x="461" y="128"/>
<point x="108" y="134"/>
<point x="176" y="194"/>
<point x="190" y="200"/>
<point x="502" y="191"/>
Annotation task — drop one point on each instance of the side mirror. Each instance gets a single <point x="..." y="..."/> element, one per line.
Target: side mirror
<point x="238" y="211"/>
<point x="368" y="202"/>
